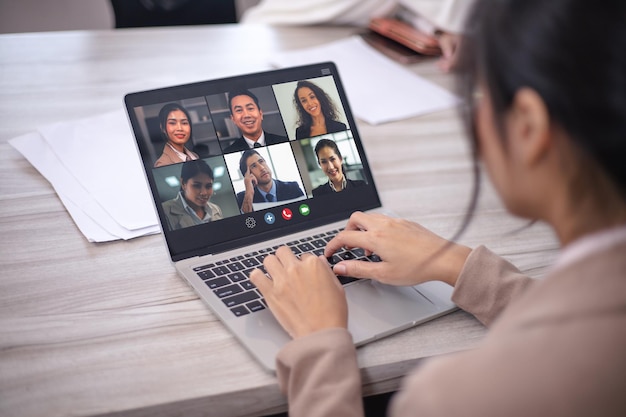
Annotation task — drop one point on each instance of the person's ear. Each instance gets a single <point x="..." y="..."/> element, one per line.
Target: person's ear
<point x="530" y="126"/>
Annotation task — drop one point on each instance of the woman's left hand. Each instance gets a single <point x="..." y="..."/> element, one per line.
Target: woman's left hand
<point x="303" y="293"/>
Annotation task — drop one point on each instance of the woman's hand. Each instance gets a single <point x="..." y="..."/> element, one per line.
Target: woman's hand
<point x="410" y="254"/>
<point x="303" y="293"/>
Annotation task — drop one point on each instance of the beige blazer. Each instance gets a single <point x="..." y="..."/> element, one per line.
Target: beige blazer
<point x="556" y="347"/>
<point x="169" y="157"/>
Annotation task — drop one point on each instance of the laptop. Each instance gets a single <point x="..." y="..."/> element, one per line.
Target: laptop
<point x="214" y="233"/>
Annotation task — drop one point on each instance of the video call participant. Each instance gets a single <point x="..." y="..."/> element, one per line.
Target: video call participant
<point x="247" y="115"/>
<point x="192" y="206"/>
<point x="331" y="162"/>
<point x="175" y="125"/>
<point x="260" y="186"/>
<point x="317" y="114"/>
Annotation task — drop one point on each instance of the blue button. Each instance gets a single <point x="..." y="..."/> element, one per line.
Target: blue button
<point x="269" y="218"/>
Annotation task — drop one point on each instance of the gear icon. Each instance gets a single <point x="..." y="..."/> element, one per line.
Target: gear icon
<point x="250" y="223"/>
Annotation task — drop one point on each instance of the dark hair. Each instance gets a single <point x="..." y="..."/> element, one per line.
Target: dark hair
<point x="579" y="73"/>
<point x="165" y="111"/>
<point x="243" y="165"/>
<point x="241" y="92"/>
<point x="192" y="168"/>
<point x="329" y="110"/>
<point x="327" y="143"/>
<point x="571" y="52"/>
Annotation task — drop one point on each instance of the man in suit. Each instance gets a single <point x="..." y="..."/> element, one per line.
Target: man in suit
<point x="260" y="186"/>
<point x="247" y="115"/>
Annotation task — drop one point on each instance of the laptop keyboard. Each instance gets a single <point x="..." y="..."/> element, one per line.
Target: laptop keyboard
<point x="229" y="278"/>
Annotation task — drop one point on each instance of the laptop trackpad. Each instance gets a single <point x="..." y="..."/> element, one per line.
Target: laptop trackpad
<point x="376" y="309"/>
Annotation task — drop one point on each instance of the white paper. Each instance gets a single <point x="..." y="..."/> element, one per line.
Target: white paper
<point x="119" y="206"/>
<point x="379" y="90"/>
<point x="100" y="153"/>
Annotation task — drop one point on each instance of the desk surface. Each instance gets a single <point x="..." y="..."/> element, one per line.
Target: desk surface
<point x="83" y="332"/>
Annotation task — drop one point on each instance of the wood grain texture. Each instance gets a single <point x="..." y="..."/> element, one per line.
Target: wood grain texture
<point x="84" y="332"/>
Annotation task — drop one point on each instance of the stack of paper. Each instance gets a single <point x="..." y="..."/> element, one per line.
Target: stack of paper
<point x="94" y="167"/>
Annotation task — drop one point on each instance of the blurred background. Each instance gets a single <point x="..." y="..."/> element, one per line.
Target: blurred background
<point x="55" y="15"/>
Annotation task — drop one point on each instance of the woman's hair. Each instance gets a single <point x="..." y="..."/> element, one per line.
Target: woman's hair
<point x="572" y="53"/>
<point x="327" y="143"/>
<point x="192" y="168"/>
<point x="329" y="110"/>
<point x="165" y="111"/>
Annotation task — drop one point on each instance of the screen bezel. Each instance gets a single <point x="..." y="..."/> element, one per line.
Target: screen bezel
<point x="232" y="231"/>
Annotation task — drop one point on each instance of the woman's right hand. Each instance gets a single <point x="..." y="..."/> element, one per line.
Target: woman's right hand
<point x="410" y="254"/>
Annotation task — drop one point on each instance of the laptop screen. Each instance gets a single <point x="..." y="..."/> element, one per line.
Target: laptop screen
<point x="237" y="161"/>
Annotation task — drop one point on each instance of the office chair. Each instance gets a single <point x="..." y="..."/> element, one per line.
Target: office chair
<point x="142" y="13"/>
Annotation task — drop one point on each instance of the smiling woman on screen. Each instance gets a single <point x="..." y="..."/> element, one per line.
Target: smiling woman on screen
<point x="317" y="114"/>
<point x="175" y="125"/>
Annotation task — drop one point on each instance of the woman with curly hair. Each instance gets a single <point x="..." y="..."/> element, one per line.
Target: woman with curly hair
<point x="317" y="114"/>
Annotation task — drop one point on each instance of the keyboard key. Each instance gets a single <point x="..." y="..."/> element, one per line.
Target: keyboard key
<point x="203" y="267"/>
<point x="255" y="306"/>
<point x="240" y="311"/>
<point x="334" y="259"/>
<point x="221" y="270"/>
<point x="237" y="276"/>
<point x="345" y="280"/>
<point x="295" y="250"/>
<point x="248" y="271"/>
<point x="250" y="262"/>
<point x="374" y="258"/>
<point x="247" y="285"/>
<point x="318" y="243"/>
<point x="227" y="291"/>
<point x="206" y="274"/>
<point x="305" y="247"/>
<point x="244" y="297"/>
<point x="236" y="266"/>
<point x="347" y="255"/>
<point x="217" y="282"/>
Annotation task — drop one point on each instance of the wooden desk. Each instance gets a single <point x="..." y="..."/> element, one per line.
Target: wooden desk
<point x="83" y="332"/>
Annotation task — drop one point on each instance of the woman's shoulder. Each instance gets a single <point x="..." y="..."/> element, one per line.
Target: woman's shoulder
<point x="321" y="190"/>
<point x="355" y="183"/>
<point x="173" y="206"/>
<point x="216" y="211"/>
<point x="302" y="132"/>
<point x="166" y="158"/>
<point x="333" y="126"/>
